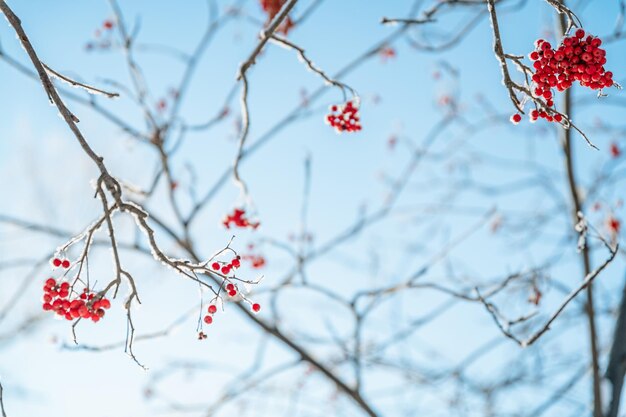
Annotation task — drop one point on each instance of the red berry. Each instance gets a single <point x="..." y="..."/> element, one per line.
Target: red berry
<point x="56" y="262"/>
<point x="256" y="307"/>
<point x="212" y="309"/>
<point x="65" y="264"/>
<point x="215" y="266"/>
<point x="232" y="293"/>
<point x="208" y="319"/>
<point x="51" y="282"/>
<point x="516" y="118"/>
<point x="104" y="303"/>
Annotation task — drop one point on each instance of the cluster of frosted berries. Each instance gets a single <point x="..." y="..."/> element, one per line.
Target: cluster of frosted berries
<point x="577" y="58"/>
<point x="88" y="305"/>
<point x="238" y="219"/>
<point x="226" y="267"/>
<point x="344" y="117"/>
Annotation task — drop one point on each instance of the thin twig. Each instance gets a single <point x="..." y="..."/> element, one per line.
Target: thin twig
<point x="88" y="88"/>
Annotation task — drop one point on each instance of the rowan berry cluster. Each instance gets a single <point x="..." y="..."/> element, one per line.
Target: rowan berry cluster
<point x="226" y="267"/>
<point x="344" y="118"/>
<point x="238" y="218"/>
<point x="577" y="58"/>
<point x="57" y="298"/>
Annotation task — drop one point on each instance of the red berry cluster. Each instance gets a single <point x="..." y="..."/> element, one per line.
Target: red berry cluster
<point x="344" y="118"/>
<point x="88" y="305"/>
<point x="57" y="262"/>
<point x="208" y="319"/>
<point x="224" y="267"/>
<point x="231" y="289"/>
<point x="256" y="261"/>
<point x="576" y="59"/>
<point x="239" y="219"/>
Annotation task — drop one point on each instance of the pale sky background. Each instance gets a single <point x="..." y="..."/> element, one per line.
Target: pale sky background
<point x="46" y="178"/>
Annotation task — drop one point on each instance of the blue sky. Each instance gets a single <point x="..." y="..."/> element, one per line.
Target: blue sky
<point x="47" y="179"/>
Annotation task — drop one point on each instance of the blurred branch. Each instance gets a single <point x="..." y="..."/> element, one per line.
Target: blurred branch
<point x="4" y="414"/>
<point x="241" y="76"/>
<point x="504" y="327"/>
<point x="88" y="88"/>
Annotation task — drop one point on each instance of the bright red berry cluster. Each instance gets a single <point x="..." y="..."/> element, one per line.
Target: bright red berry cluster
<point x="226" y="267"/>
<point x="208" y="319"/>
<point x="578" y="58"/>
<point x="64" y="263"/>
<point x="231" y="289"/>
<point x="87" y="305"/>
<point x="238" y="218"/>
<point x="344" y="118"/>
